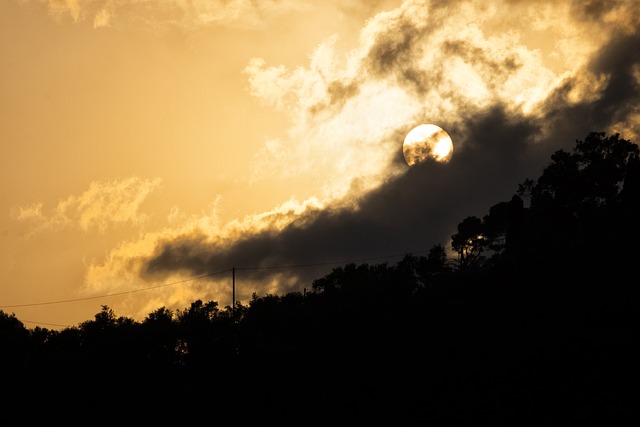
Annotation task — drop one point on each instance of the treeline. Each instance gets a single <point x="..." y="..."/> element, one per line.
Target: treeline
<point x="530" y="324"/>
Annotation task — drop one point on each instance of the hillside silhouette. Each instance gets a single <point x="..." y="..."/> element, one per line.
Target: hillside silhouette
<point x="531" y="324"/>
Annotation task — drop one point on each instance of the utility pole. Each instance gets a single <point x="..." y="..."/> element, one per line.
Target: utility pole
<point x="233" y="289"/>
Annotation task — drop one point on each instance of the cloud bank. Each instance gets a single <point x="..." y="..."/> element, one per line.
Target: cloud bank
<point x="477" y="70"/>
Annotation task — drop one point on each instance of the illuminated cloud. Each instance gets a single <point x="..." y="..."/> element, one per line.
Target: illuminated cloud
<point x="171" y="13"/>
<point x="463" y="65"/>
<point x="59" y="8"/>
<point x="510" y="81"/>
<point x="102" y="205"/>
<point x="103" y="17"/>
<point x="415" y="64"/>
<point x="343" y="126"/>
<point x="204" y="238"/>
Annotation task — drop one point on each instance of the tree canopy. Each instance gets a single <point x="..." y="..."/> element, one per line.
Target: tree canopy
<point x="529" y="324"/>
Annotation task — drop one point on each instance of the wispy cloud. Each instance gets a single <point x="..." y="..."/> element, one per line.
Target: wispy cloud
<point x="102" y="205"/>
<point x="171" y="13"/>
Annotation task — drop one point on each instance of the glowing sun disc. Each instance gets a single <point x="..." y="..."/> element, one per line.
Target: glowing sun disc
<point x="427" y="141"/>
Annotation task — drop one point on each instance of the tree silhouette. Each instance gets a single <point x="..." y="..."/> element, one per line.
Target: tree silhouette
<point x="160" y="337"/>
<point x="533" y="327"/>
<point x="13" y="341"/>
<point x="470" y="241"/>
<point x="516" y="223"/>
<point x="630" y="193"/>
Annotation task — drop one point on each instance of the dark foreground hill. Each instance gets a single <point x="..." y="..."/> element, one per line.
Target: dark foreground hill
<point x="533" y="324"/>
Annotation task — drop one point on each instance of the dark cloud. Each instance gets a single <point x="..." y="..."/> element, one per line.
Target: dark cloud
<point x="399" y="49"/>
<point x="338" y="93"/>
<point x="495" y="149"/>
<point x="618" y="63"/>
<point x="395" y="48"/>
<point x="596" y="9"/>
<point x="499" y="70"/>
<point x="408" y="214"/>
<point x="396" y="51"/>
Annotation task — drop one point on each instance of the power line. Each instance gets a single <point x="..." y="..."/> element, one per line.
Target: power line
<point x="204" y="276"/>
<point x="115" y="293"/>
<point x="43" y="323"/>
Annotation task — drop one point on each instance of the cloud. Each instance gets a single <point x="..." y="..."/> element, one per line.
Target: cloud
<point x="171" y="13"/>
<point x="603" y="97"/>
<point x="102" y="205"/>
<point x="59" y="8"/>
<point x="409" y="213"/>
<point x="477" y="70"/>
<point x="126" y="267"/>
<point x="342" y="129"/>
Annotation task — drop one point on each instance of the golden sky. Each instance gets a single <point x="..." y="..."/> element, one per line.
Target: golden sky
<point x="148" y="143"/>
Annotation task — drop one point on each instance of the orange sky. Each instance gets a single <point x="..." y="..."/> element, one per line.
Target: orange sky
<point x="145" y="143"/>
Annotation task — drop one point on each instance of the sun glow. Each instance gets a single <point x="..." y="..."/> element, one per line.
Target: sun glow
<point x="427" y="141"/>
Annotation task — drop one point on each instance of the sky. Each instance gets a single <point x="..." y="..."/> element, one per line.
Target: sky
<point x="147" y="148"/>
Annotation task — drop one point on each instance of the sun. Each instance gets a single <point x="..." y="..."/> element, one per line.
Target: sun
<point x="427" y="141"/>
